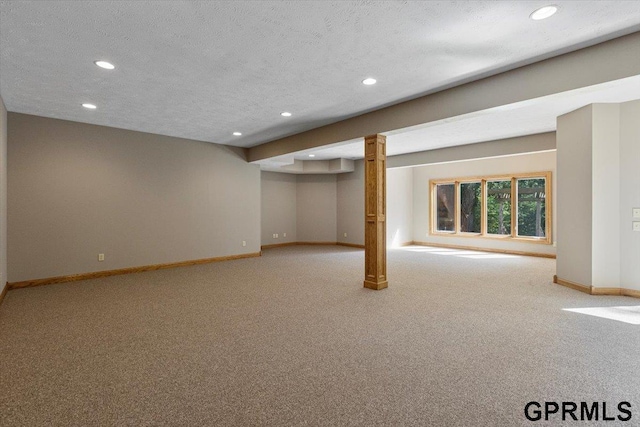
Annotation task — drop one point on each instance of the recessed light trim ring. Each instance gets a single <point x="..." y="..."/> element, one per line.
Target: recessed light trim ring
<point x="104" y="64"/>
<point x="544" y="12"/>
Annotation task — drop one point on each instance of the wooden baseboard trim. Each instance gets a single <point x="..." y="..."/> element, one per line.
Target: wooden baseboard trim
<point x="630" y="292"/>
<point x="595" y="290"/>
<point x="278" y="245"/>
<point x="317" y="243"/>
<point x="573" y="285"/>
<point x="106" y="273"/>
<point x="351" y="245"/>
<point x="606" y="291"/>
<point x="475" y="248"/>
<point x="4" y="292"/>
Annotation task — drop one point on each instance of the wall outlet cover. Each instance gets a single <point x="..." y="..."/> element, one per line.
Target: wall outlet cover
<point x="636" y="225"/>
<point x="636" y="212"/>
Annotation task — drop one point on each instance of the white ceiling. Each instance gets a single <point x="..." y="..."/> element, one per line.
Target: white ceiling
<point x="204" y="69"/>
<point x="522" y="118"/>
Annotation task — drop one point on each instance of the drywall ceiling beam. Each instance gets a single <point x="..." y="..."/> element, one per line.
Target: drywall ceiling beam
<point x="482" y="150"/>
<point x="612" y="60"/>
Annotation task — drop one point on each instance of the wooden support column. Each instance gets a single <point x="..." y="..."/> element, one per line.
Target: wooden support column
<point x="375" y="209"/>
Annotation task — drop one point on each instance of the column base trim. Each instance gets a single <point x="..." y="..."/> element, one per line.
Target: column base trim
<point x="376" y="286"/>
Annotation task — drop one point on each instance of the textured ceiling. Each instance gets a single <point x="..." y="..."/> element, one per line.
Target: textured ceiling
<point x="204" y="69"/>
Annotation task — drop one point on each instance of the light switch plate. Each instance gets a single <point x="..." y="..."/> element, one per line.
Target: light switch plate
<point x="636" y="212"/>
<point x="636" y="225"/>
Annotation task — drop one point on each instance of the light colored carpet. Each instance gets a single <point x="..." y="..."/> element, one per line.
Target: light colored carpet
<point x="292" y="338"/>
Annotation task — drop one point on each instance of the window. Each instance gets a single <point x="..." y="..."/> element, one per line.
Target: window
<point x="531" y="207"/>
<point x="445" y="194"/>
<point x="513" y="206"/>
<point x="499" y="207"/>
<point x="470" y="207"/>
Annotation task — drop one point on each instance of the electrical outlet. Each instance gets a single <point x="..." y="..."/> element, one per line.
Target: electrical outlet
<point x="636" y="225"/>
<point x="345" y="234"/>
<point x="636" y="212"/>
<point x="100" y="257"/>
<point x="244" y="243"/>
<point x="284" y="234"/>
<point x="276" y="235"/>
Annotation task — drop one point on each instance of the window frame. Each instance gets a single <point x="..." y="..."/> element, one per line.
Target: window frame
<point x="433" y="216"/>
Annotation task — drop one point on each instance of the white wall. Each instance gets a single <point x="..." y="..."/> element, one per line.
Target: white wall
<point x="629" y="194"/>
<point x="605" y="195"/>
<point x="316" y="208"/>
<point x="279" y="194"/>
<point x="3" y="196"/>
<point x="599" y="177"/>
<point x="319" y="202"/>
<point x="76" y="190"/>
<point x="535" y="162"/>
<point x="573" y="234"/>
<point x="399" y="206"/>
<point x="350" y="205"/>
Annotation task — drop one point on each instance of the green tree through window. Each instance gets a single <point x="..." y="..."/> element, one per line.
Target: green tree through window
<point x="471" y="207"/>
<point x="501" y="206"/>
<point x="531" y="207"/>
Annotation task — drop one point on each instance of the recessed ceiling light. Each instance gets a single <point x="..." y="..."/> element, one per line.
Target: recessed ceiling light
<point x="285" y="114"/>
<point x="89" y="106"/>
<point x="237" y="133"/>
<point x="543" y="12"/>
<point x="312" y="155"/>
<point x="369" y="81"/>
<point x="104" y="64"/>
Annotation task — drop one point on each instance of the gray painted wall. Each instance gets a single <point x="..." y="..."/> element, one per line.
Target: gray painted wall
<point x="535" y="162"/>
<point x="76" y="190"/>
<point x="3" y="195"/>
<point x="574" y="135"/>
<point x="279" y="194"/>
<point x="313" y="208"/>
<point x="399" y="206"/>
<point x="629" y="193"/>
<point x="316" y="208"/>
<point x="350" y="205"/>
